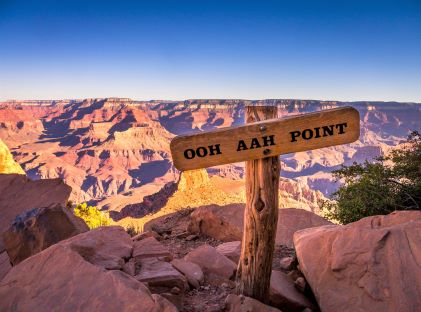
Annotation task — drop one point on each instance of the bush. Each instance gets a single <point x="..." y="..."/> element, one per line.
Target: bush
<point x="132" y="230"/>
<point x="380" y="187"/>
<point x="92" y="216"/>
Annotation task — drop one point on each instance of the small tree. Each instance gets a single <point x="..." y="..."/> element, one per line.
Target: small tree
<point x="380" y="187"/>
<point x="91" y="215"/>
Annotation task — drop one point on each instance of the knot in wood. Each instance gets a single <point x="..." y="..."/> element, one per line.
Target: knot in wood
<point x="260" y="205"/>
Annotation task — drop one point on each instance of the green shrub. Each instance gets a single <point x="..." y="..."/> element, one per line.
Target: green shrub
<point x="380" y="187"/>
<point x="92" y="216"/>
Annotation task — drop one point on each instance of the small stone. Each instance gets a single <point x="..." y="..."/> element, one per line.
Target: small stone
<point x="192" y="237"/>
<point x="130" y="267"/>
<point x="287" y="263"/>
<point x="224" y="285"/>
<point x="175" y="290"/>
<point x="300" y="284"/>
<point x="294" y="274"/>
<point x="146" y="235"/>
<point x="206" y="288"/>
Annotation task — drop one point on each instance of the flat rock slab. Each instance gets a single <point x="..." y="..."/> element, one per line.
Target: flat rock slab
<point x="373" y="264"/>
<point x="160" y="275"/>
<point x="284" y="295"/>
<point x="151" y="248"/>
<point x="190" y="270"/>
<point x="107" y="246"/>
<point x="225" y="223"/>
<point x="216" y="267"/>
<point x="234" y="303"/>
<point x="231" y="250"/>
<point x="60" y="279"/>
<point x="39" y="228"/>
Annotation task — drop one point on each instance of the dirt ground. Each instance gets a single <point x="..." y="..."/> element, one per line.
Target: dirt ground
<point x="174" y="235"/>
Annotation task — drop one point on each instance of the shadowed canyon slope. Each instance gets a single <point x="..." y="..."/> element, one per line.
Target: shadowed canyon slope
<point x="115" y="152"/>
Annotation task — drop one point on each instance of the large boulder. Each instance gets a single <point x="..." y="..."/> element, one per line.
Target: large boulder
<point x="370" y="265"/>
<point x="20" y="194"/>
<point x="39" y="228"/>
<point x="225" y="223"/>
<point x="216" y="267"/>
<point x="7" y="163"/>
<point x="234" y="303"/>
<point x="108" y="247"/>
<point x="61" y="279"/>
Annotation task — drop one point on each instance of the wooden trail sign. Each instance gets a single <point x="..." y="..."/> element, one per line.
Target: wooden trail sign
<point x="266" y="138"/>
<point x="259" y="143"/>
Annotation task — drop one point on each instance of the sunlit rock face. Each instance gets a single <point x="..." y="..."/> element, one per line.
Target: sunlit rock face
<point x="113" y="152"/>
<point x="7" y="163"/>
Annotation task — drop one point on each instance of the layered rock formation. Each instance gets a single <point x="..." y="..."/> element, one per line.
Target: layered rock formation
<point x="114" y="152"/>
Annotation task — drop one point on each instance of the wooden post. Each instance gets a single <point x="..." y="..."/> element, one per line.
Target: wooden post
<point x="260" y="216"/>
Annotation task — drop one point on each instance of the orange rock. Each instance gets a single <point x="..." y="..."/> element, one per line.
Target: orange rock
<point x="369" y="265"/>
<point x="284" y="295"/>
<point x="59" y="278"/>
<point x="216" y="267"/>
<point x="39" y="228"/>
<point x="20" y="194"/>
<point x="226" y="222"/>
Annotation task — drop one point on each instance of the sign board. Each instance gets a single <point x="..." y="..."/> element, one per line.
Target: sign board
<point x="266" y="138"/>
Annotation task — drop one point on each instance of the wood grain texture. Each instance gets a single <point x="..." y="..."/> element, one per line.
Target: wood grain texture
<point x="260" y="218"/>
<point x="228" y="138"/>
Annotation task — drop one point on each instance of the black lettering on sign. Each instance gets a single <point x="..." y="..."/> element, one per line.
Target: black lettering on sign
<point x="242" y="146"/>
<point x="214" y="149"/>
<point x="189" y="153"/>
<point x="268" y="140"/>
<point x="294" y="135"/>
<point x="341" y="126"/>
<point x="256" y="143"/>
<point x="203" y="151"/>
<point x="315" y="133"/>
<point x="307" y="134"/>
<point x="327" y="130"/>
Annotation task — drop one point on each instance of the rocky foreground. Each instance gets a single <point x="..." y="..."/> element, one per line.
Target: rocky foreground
<point x="187" y="261"/>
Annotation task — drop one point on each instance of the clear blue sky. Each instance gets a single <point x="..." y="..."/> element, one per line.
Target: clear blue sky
<point x="339" y="50"/>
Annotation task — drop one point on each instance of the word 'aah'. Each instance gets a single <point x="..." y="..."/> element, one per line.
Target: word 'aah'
<point x="255" y="143"/>
<point x="318" y="132"/>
